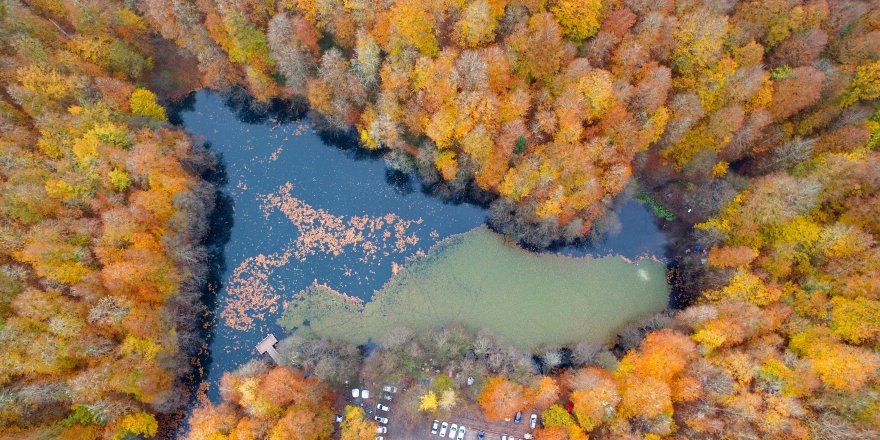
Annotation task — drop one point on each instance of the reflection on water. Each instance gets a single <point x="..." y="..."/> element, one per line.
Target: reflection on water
<point x="307" y="208"/>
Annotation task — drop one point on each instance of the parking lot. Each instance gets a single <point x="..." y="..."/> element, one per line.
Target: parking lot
<point x="400" y="429"/>
<point x="493" y="431"/>
<point x="375" y="397"/>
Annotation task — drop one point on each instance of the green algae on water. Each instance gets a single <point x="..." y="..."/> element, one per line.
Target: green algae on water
<point x="482" y="280"/>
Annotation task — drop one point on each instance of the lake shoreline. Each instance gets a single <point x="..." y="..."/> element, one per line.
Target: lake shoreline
<point x="281" y="114"/>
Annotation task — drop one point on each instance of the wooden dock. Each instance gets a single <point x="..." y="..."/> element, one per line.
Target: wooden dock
<point x="267" y="345"/>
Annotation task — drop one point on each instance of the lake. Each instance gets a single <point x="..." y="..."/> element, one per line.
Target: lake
<point x="483" y="280"/>
<point x="302" y="210"/>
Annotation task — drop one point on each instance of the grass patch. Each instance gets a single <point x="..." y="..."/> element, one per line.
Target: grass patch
<point x="482" y="280"/>
<point x="657" y="207"/>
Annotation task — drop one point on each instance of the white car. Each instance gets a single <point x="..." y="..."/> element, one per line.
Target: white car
<point x="453" y="430"/>
<point x="365" y="394"/>
<point x="389" y="389"/>
<point x="382" y="407"/>
<point x="504" y="437"/>
<point x="435" y="426"/>
<point x="379" y="437"/>
<point x="533" y="421"/>
<point x="443" y="429"/>
<point x="382" y="420"/>
<point x="355" y="392"/>
<point x="461" y="431"/>
<point x="382" y="430"/>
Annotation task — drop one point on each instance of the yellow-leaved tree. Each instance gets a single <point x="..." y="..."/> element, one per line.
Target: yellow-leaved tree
<point x="143" y="103"/>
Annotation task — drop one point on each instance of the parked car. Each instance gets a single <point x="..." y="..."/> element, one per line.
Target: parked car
<point x="355" y="392"/>
<point x="389" y="388"/>
<point x="504" y="437"/>
<point x="518" y="417"/>
<point x="382" y="407"/>
<point x="435" y="426"/>
<point x="533" y="421"/>
<point x="453" y="430"/>
<point x="386" y="396"/>
<point x="365" y="394"/>
<point x="338" y="418"/>
<point x="382" y="430"/>
<point x="461" y="432"/>
<point x="379" y="437"/>
<point x="481" y="435"/>
<point x="443" y="429"/>
<point x="382" y="420"/>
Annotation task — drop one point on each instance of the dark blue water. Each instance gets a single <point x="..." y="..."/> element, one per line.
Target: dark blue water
<point x="261" y="156"/>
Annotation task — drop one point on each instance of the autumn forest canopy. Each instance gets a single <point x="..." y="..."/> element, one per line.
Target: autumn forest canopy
<point x="753" y="126"/>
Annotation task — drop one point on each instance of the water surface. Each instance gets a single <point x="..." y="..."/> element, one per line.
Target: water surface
<point x="482" y="280"/>
<point x="302" y="210"/>
<point x="264" y="158"/>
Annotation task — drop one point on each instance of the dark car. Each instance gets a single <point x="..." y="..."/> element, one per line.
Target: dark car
<point x="481" y="435"/>
<point x="518" y="417"/>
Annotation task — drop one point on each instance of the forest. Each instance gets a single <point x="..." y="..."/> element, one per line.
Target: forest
<point x="755" y="124"/>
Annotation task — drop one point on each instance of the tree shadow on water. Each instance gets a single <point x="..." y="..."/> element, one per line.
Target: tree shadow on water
<point x="220" y="223"/>
<point x="401" y="182"/>
<point x="250" y="111"/>
<point x="284" y="111"/>
<point x="176" y="108"/>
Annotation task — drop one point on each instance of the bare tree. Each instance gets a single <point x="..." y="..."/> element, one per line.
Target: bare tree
<point x="294" y="59"/>
<point x="584" y="352"/>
